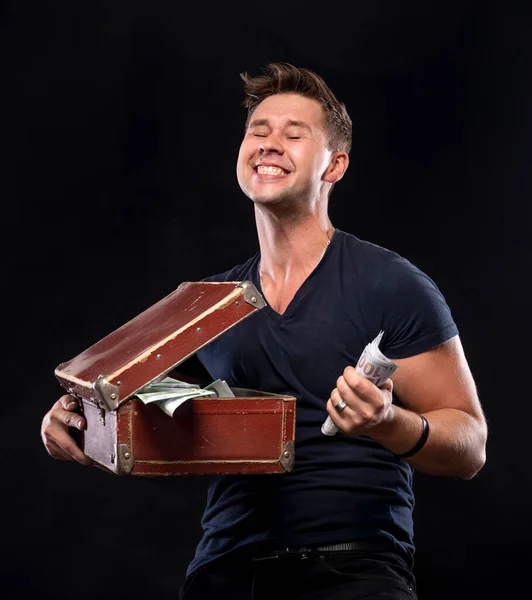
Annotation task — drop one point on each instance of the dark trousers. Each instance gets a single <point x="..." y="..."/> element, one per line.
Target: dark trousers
<point x="344" y="575"/>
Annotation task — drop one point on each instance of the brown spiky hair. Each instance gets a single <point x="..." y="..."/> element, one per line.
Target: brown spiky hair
<point x="284" y="78"/>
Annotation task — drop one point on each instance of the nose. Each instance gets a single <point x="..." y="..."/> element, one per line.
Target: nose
<point x="271" y="143"/>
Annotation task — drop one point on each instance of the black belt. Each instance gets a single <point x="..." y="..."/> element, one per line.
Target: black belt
<point x="342" y="547"/>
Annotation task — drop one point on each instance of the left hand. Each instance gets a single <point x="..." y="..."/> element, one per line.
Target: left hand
<point x="367" y="405"/>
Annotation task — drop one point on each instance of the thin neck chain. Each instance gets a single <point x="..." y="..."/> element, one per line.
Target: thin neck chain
<point x="319" y="260"/>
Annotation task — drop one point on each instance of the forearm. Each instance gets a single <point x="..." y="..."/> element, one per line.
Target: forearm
<point x="455" y="445"/>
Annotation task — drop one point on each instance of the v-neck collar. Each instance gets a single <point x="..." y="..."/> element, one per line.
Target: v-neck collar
<point x="301" y="291"/>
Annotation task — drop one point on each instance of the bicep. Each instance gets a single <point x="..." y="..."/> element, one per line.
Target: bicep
<point x="438" y="378"/>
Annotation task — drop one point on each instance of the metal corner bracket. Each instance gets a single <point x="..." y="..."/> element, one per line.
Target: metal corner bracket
<point x="287" y="458"/>
<point x="106" y="392"/>
<point x="252" y="295"/>
<point x="124" y="460"/>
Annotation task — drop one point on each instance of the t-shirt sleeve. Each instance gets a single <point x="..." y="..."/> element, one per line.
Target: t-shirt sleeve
<point x="415" y="316"/>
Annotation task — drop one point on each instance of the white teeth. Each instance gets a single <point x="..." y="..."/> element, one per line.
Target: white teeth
<point x="263" y="170"/>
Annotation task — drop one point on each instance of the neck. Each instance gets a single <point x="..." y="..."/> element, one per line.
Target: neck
<point x="291" y="245"/>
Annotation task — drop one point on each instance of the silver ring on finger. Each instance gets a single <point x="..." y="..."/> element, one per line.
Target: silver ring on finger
<point x="341" y="405"/>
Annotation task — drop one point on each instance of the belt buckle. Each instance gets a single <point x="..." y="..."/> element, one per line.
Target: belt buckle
<point x="301" y="553"/>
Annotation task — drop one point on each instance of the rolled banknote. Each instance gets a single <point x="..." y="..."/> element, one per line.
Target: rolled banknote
<point x="372" y="365"/>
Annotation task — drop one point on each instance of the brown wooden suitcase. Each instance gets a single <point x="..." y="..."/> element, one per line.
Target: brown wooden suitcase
<point x="252" y="432"/>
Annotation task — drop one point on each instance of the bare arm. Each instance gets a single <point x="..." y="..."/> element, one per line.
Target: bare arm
<point x="438" y="384"/>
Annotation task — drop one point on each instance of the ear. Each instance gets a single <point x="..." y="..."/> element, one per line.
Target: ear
<point x="337" y="167"/>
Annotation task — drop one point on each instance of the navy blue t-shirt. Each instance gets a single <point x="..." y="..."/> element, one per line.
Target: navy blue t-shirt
<point x="341" y="488"/>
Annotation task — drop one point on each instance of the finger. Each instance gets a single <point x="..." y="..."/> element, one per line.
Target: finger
<point x="361" y="387"/>
<point x="347" y="416"/>
<point x="333" y="413"/>
<point x="347" y="392"/>
<point x="55" y="451"/>
<point x="66" y="448"/>
<point x="63" y="411"/>
<point x="69" y="402"/>
<point x="346" y="421"/>
<point x="362" y="405"/>
<point x="61" y="445"/>
<point x="67" y="443"/>
<point x="357" y="413"/>
<point x="365" y="386"/>
<point x="55" y="432"/>
<point x="335" y="399"/>
<point x="387" y="385"/>
<point x="73" y="419"/>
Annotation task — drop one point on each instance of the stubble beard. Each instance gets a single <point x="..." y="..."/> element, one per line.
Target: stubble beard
<point x="287" y="205"/>
<point x="286" y="202"/>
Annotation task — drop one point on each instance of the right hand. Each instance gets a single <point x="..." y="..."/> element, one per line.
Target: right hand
<point x="55" y="430"/>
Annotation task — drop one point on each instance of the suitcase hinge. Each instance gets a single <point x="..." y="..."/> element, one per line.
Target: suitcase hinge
<point x="287" y="457"/>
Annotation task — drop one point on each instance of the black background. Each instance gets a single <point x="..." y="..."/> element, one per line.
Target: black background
<point x="121" y="123"/>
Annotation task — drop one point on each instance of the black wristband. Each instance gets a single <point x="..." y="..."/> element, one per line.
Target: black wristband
<point x="421" y="442"/>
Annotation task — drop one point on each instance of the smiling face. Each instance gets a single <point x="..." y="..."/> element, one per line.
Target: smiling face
<point x="284" y="156"/>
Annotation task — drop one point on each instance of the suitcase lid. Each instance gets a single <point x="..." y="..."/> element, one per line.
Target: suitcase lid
<point x="157" y="340"/>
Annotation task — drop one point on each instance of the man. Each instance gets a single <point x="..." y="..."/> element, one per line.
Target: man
<point x="340" y="524"/>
